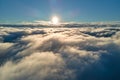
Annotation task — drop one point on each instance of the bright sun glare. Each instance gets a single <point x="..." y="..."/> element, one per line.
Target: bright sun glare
<point x="55" y="20"/>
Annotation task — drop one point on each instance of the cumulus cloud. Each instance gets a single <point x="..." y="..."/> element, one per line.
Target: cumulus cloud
<point x="59" y="53"/>
<point x="37" y="66"/>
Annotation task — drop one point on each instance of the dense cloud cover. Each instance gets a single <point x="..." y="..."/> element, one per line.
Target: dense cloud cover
<point x="59" y="53"/>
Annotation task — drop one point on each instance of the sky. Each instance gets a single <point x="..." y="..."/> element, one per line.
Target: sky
<point x="15" y="11"/>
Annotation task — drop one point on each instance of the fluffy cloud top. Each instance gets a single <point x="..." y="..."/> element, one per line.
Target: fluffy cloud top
<point x="59" y="53"/>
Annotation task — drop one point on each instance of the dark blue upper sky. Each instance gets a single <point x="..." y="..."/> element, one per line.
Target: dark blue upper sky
<point x="12" y="11"/>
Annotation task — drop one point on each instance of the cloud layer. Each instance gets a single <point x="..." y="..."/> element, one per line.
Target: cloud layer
<point x="59" y="53"/>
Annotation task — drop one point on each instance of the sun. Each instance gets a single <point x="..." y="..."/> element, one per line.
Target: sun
<point x="55" y="20"/>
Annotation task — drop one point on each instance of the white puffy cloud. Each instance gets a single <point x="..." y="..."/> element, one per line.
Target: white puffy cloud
<point x="59" y="53"/>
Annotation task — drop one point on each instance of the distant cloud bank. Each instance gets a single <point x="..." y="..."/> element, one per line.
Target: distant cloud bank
<point x="44" y="24"/>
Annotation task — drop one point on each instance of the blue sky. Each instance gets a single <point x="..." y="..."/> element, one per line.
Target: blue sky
<point x="14" y="11"/>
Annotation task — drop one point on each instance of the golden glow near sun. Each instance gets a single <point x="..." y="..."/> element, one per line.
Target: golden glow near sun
<point x="55" y="20"/>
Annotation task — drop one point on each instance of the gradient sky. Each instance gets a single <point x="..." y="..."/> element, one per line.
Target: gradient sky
<point x="14" y="11"/>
